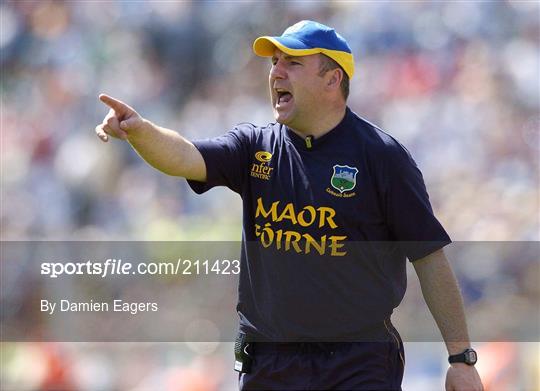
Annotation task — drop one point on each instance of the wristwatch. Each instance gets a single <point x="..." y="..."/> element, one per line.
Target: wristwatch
<point x="468" y="356"/>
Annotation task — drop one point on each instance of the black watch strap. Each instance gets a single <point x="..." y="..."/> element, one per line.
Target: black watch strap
<point x="468" y="356"/>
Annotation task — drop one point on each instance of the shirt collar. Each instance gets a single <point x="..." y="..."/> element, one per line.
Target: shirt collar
<point x="305" y="143"/>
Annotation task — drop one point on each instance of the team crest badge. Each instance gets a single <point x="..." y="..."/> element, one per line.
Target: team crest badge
<point x="344" y="178"/>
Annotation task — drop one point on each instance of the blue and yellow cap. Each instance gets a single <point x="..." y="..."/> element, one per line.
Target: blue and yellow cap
<point x="305" y="38"/>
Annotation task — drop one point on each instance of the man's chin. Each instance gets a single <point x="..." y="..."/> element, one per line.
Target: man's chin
<point x="281" y="119"/>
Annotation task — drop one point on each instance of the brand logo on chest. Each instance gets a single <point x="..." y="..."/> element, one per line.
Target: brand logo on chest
<point x="261" y="168"/>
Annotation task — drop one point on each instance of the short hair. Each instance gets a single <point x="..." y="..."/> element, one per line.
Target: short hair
<point x="328" y="64"/>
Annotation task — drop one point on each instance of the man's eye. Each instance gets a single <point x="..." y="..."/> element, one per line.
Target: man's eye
<point x="295" y="63"/>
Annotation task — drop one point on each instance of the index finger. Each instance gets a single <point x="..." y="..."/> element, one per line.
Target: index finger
<point x="119" y="107"/>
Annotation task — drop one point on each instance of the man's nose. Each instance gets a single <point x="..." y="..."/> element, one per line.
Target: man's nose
<point x="277" y="71"/>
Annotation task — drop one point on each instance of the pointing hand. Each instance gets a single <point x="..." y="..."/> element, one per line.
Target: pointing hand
<point x="120" y="122"/>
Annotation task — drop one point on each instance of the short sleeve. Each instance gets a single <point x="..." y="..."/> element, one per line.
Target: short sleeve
<point x="408" y="211"/>
<point x="226" y="158"/>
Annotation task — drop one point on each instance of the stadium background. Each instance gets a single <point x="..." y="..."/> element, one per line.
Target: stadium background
<point x="456" y="82"/>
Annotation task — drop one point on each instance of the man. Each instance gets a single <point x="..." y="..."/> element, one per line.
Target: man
<point x="333" y="207"/>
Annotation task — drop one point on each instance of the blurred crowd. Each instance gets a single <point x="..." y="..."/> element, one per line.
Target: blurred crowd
<point x="456" y="82"/>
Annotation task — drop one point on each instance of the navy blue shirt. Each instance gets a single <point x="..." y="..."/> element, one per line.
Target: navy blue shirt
<point x="327" y="226"/>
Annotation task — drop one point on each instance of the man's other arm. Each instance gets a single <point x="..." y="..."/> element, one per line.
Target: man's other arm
<point x="163" y="149"/>
<point x="441" y="293"/>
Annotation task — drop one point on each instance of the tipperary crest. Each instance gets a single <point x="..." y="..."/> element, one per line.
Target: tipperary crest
<point x="344" y="178"/>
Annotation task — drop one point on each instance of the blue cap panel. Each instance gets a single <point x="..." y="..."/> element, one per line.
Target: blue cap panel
<point x="308" y="34"/>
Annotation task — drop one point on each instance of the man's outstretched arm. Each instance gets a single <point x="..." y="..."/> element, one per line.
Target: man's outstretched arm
<point x="163" y="149"/>
<point x="441" y="293"/>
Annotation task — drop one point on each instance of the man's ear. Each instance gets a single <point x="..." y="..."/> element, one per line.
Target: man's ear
<point x="335" y="76"/>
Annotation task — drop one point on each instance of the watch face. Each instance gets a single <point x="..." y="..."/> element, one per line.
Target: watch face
<point x="470" y="357"/>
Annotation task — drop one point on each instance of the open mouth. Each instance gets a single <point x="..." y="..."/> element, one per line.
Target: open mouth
<point x="283" y="96"/>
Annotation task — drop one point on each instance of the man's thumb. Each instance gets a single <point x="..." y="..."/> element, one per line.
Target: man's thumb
<point x="131" y="123"/>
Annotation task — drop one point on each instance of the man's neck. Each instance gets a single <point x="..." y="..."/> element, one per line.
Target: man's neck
<point x="324" y="125"/>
